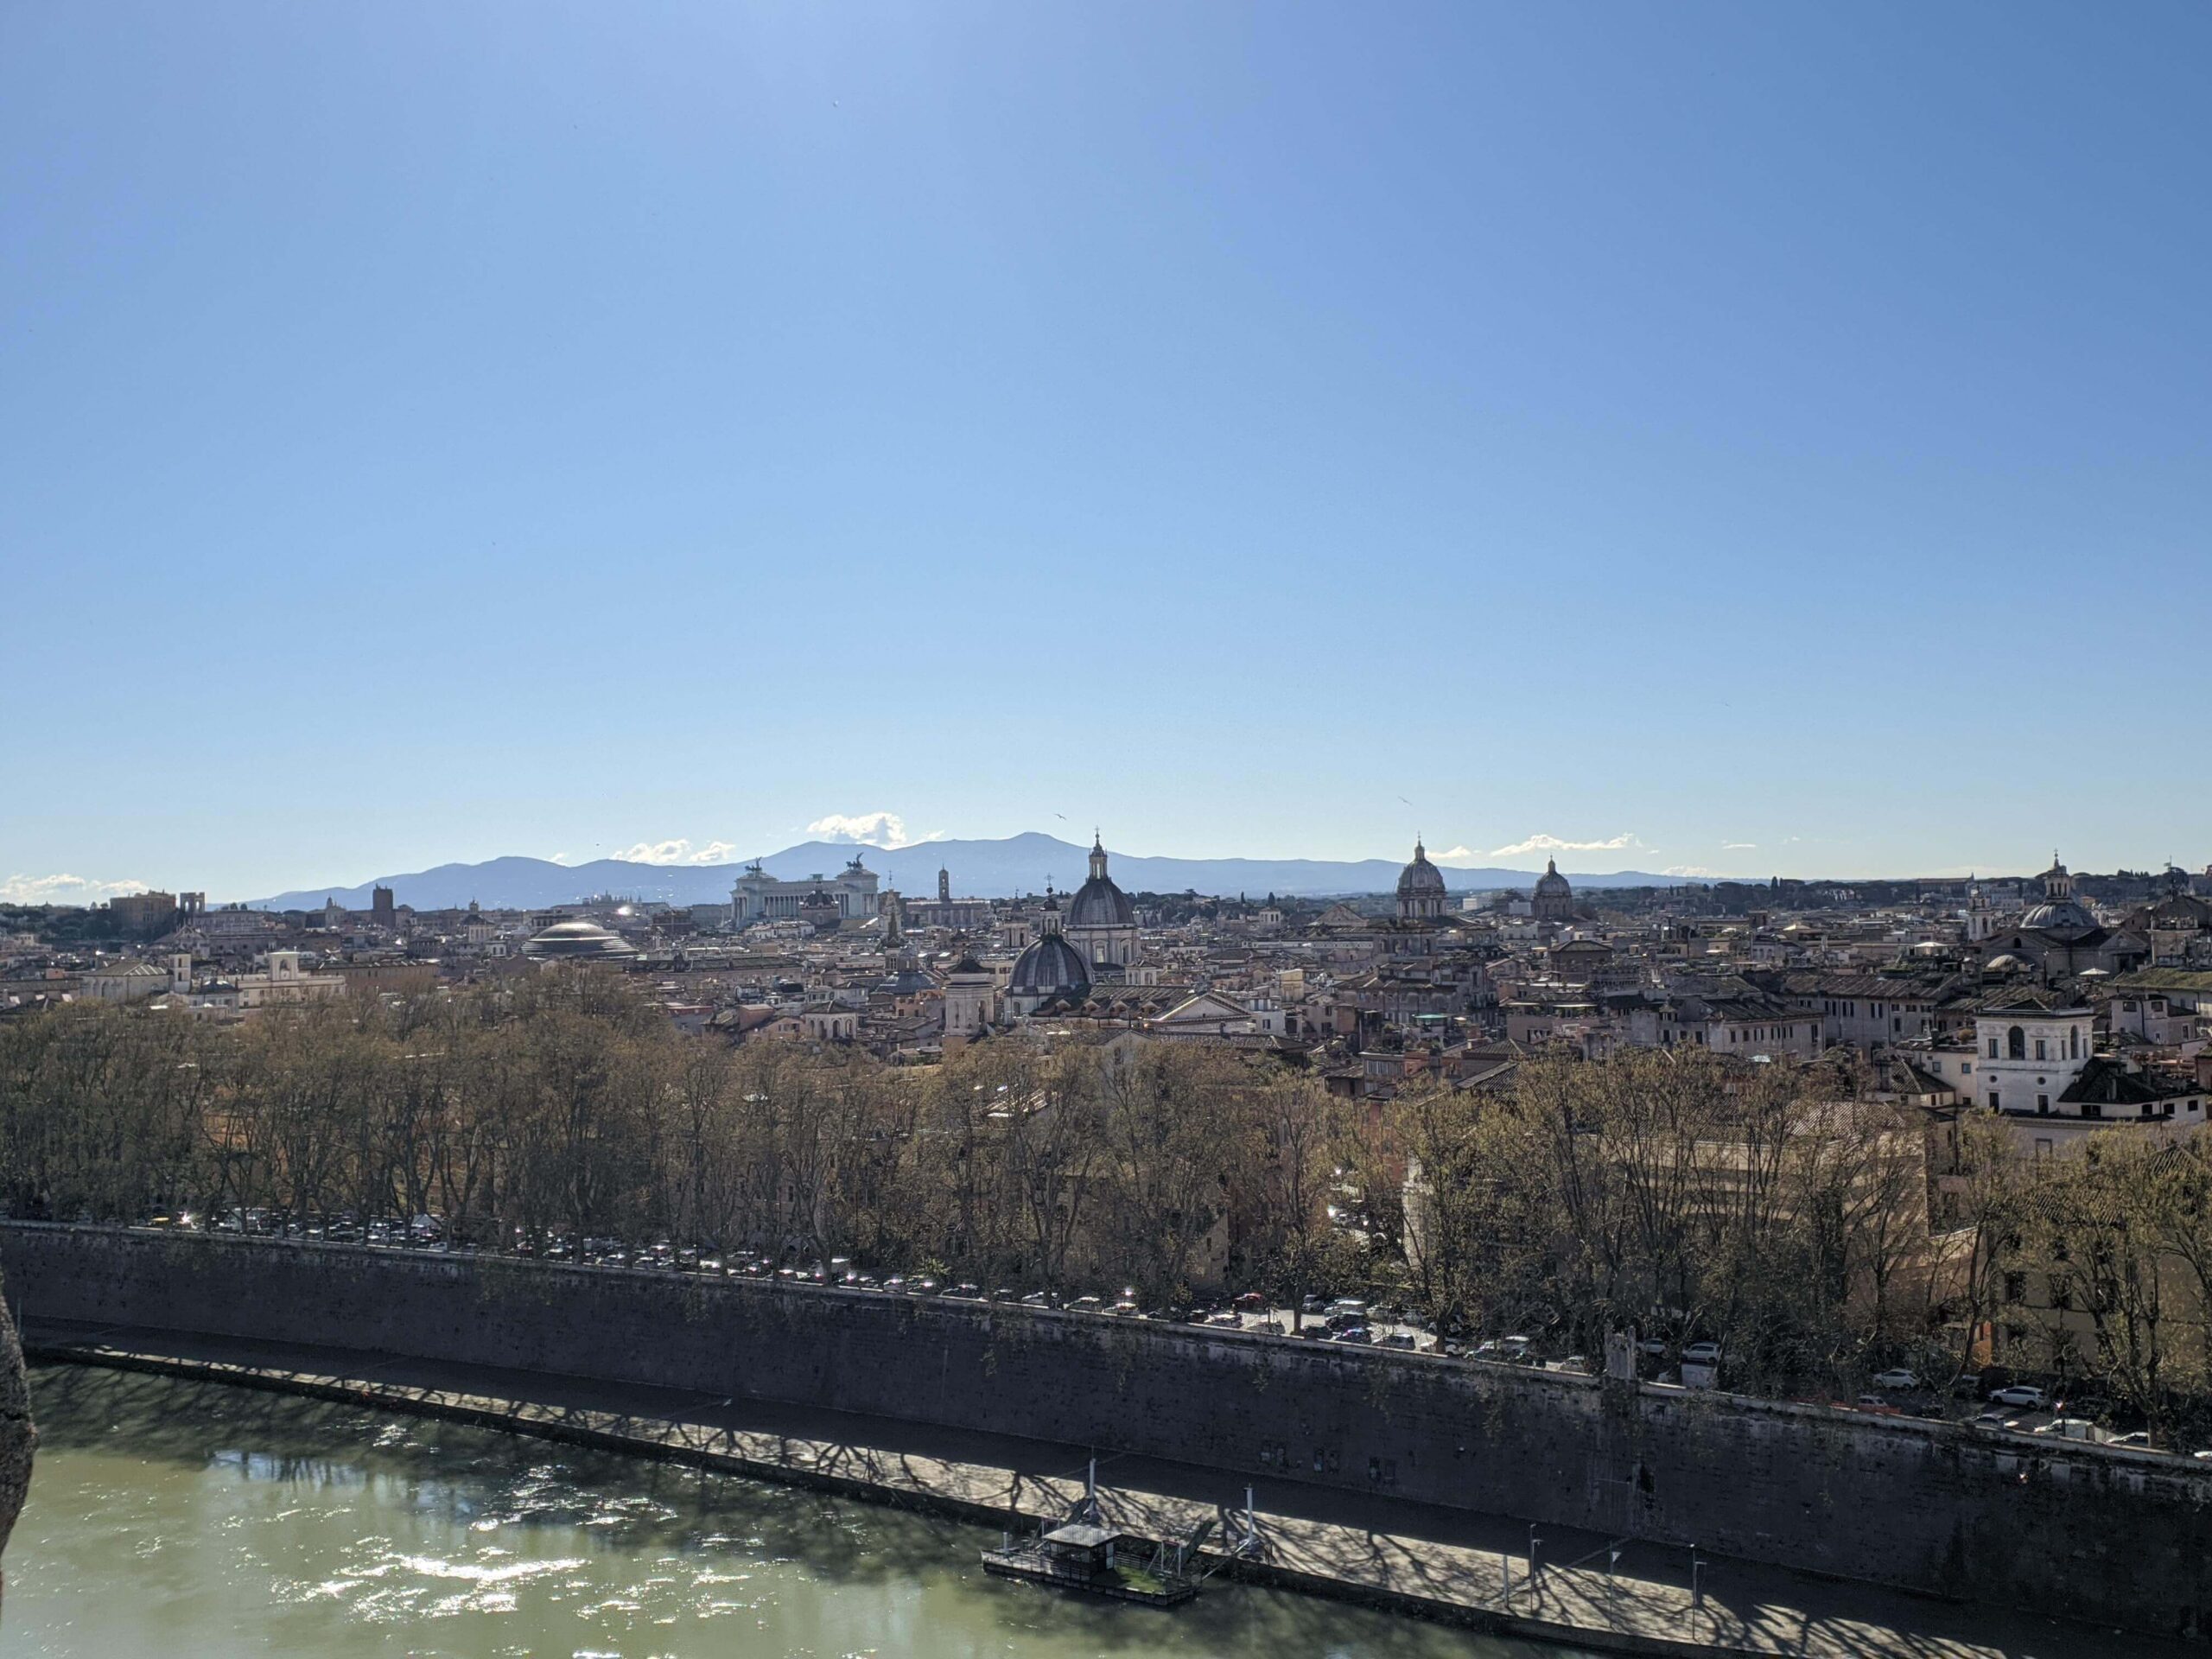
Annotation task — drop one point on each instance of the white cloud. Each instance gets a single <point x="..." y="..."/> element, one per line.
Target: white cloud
<point x="1554" y="844"/>
<point x="678" y="851"/>
<point x="1688" y="870"/>
<point x="1739" y="846"/>
<point x="1453" y="853"/>
<point x="885" y="829"/>
<point x="557" y="858"/>
<point x="62" y="890"/>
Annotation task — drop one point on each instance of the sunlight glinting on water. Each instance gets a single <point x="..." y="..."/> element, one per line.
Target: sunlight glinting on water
<point x="171" y="1520"/>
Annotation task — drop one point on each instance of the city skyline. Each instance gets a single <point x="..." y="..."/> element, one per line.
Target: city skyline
<point x="838" y="835"/>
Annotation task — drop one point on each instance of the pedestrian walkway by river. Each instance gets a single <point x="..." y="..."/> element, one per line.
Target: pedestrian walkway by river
<point x="1449" y="1564"/>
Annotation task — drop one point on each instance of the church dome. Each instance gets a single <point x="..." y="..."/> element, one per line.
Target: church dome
<point x="2063" y="917"/>
<point x="1099" y="903"/>
<point x="1420" y="878"/>
<point x="1050" y="968"/>
<point x="1551" y="883"/>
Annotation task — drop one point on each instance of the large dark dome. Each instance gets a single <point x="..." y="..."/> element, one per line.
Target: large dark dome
<point x="1051" y="967"/>
<point x="1421" y="877"/>
<point x="1099" y="903"/>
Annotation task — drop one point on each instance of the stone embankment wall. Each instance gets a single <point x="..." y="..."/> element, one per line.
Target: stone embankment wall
<point x="17" y="1438"/>
<point x="2117" y="1538"/>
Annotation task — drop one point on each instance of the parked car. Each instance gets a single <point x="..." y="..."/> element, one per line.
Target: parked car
<point x="1897" y="1379"/>
<point x="1395" y="1340"/>
<point x="2140" y="1440"/>
<point x="2069" y="1428"/>
<point x="1701" y="1353"/>
<point x="2020" y="1396"/>
<point x="1036" y="1298"/>
<point x="1086" y="1305"/>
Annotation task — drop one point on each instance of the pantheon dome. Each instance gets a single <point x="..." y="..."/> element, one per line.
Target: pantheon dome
<point x="579" y="941"/>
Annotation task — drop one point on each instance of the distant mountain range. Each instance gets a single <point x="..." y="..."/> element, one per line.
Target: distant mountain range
<point x="981" y="869"/>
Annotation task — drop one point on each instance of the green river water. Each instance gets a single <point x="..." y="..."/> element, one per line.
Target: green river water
<point x="172" y="1520"/>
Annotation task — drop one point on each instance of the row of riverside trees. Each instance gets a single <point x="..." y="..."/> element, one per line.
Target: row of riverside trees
<point x="566" y="1106"/>
<point x="1778" y="1212"/>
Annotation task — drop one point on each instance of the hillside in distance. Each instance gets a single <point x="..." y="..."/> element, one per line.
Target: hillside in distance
<point x="981" y="869"/>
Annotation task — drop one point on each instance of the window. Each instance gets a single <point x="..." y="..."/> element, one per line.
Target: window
<point x="1992" y="1048"/>
<point x="1994" y="1106"/>
<point x="2039" y="1050"/>
<point x="2016" y="1044"/>
<point x="2074" y="1044"/>
<point x="2042" y="1104"/>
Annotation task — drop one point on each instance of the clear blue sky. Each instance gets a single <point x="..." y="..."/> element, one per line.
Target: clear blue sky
<point x="1770" y="437"/>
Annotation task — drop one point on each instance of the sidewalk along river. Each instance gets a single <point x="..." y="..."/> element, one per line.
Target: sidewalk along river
<point x="172" y="1520"/>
